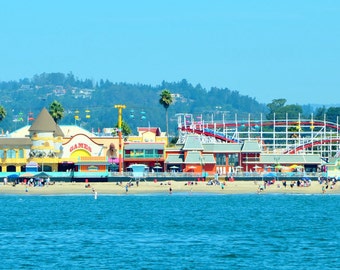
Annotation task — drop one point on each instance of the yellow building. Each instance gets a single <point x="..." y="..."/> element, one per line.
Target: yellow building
<point x="46" y="146"/>
<point x="50" y="147"/>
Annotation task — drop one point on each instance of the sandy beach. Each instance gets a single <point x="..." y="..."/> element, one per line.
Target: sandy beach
<point x="237" y="187"/>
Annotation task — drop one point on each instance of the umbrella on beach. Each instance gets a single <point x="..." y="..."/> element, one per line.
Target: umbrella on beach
<point x="13" y="176"/>
<point x="174" y="168"/>
<point x="271" y="174"/>
<point x="27" y="174"/>
<point x="191" y="168"/>
<point x="157" y="168"/>
<point x="294" y="166"/>
<point x="42" y="175"/>
<point x="257" y="168"/>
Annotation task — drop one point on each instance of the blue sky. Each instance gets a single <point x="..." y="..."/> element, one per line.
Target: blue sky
<point x="264" y="49"/>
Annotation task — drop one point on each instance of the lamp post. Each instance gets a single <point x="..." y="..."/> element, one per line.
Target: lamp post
<point x="120" y="110"/>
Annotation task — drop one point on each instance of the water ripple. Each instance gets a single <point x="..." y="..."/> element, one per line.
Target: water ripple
<point x="170" y="232"/>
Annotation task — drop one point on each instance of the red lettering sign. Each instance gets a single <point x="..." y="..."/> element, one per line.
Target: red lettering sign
<point x="80" y="146"/>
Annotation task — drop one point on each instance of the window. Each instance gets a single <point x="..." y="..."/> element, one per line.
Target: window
<point x="139" y="153"/>
<point x="233" y="160"/>
<point x="21" y="153"/>
<point x="220" y="159"/>
<point x="149" y="153"/>
<point x="11" y="153"/>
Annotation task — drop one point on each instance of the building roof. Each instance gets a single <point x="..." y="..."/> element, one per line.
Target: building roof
<point x="59" y="131"/>
<point x="45" y="123"/>
<point x="290" y="159"/>
<point x="143" y="146"/>
<point x="251" y="147"/>
<point x="68" y="131"/>
<point x="5" y="142"/>
<point x="72" y="130"/>
<point x="174" y="159"/>
<point x="195" y="157"/>
<point x="19" y="133"/>
<point x="222" y="147"/>
<point x="209" y="159"/>
<point x="193" y="142"/>
<point x="155" y="130"/>
<point x="334" y="160"/>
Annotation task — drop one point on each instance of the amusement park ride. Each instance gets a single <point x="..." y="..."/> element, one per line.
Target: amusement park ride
<point x="288" y="136"/>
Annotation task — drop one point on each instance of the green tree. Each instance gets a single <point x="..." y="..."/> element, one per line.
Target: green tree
<point x="320" y="113"/>
<point x="293" y="111"/>
<point x="333" y="114"/>
<point x="281" y="110"/>
<point x="166" y="101"/>
<point x="126" y="130"/>
<point x="3" y="113"/>
<point x="56" y="111"/>
<point x="275" y="107"/>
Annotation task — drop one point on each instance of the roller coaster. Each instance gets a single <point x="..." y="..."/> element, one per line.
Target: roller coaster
<point x="288" y="136"/>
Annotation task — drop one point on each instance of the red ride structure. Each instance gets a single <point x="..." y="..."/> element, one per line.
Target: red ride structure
<point x="284" y="136"/>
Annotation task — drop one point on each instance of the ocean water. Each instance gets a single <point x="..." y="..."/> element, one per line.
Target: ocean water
<point x="178" y="231"/>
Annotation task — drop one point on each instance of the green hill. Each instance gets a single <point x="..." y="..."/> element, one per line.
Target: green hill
<point x="93" y="102"/>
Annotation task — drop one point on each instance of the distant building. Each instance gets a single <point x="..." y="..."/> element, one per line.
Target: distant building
<point x="59" y="90"/>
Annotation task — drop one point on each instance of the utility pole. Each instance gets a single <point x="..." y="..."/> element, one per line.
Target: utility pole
<point x="120" y="110"/>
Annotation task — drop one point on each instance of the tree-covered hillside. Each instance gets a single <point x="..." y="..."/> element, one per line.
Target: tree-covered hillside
<point x="91" y="104"/>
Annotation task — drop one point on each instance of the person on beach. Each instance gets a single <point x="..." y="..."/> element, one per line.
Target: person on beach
<point x="260" y="189"/>
<point x="126" y="188"/>
<point x="170" y="190"/>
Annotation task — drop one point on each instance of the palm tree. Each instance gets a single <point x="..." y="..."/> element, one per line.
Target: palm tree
<point x="165" y="101"/>
<point x="3" y="113"/>
<point x="56" y="111"/>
